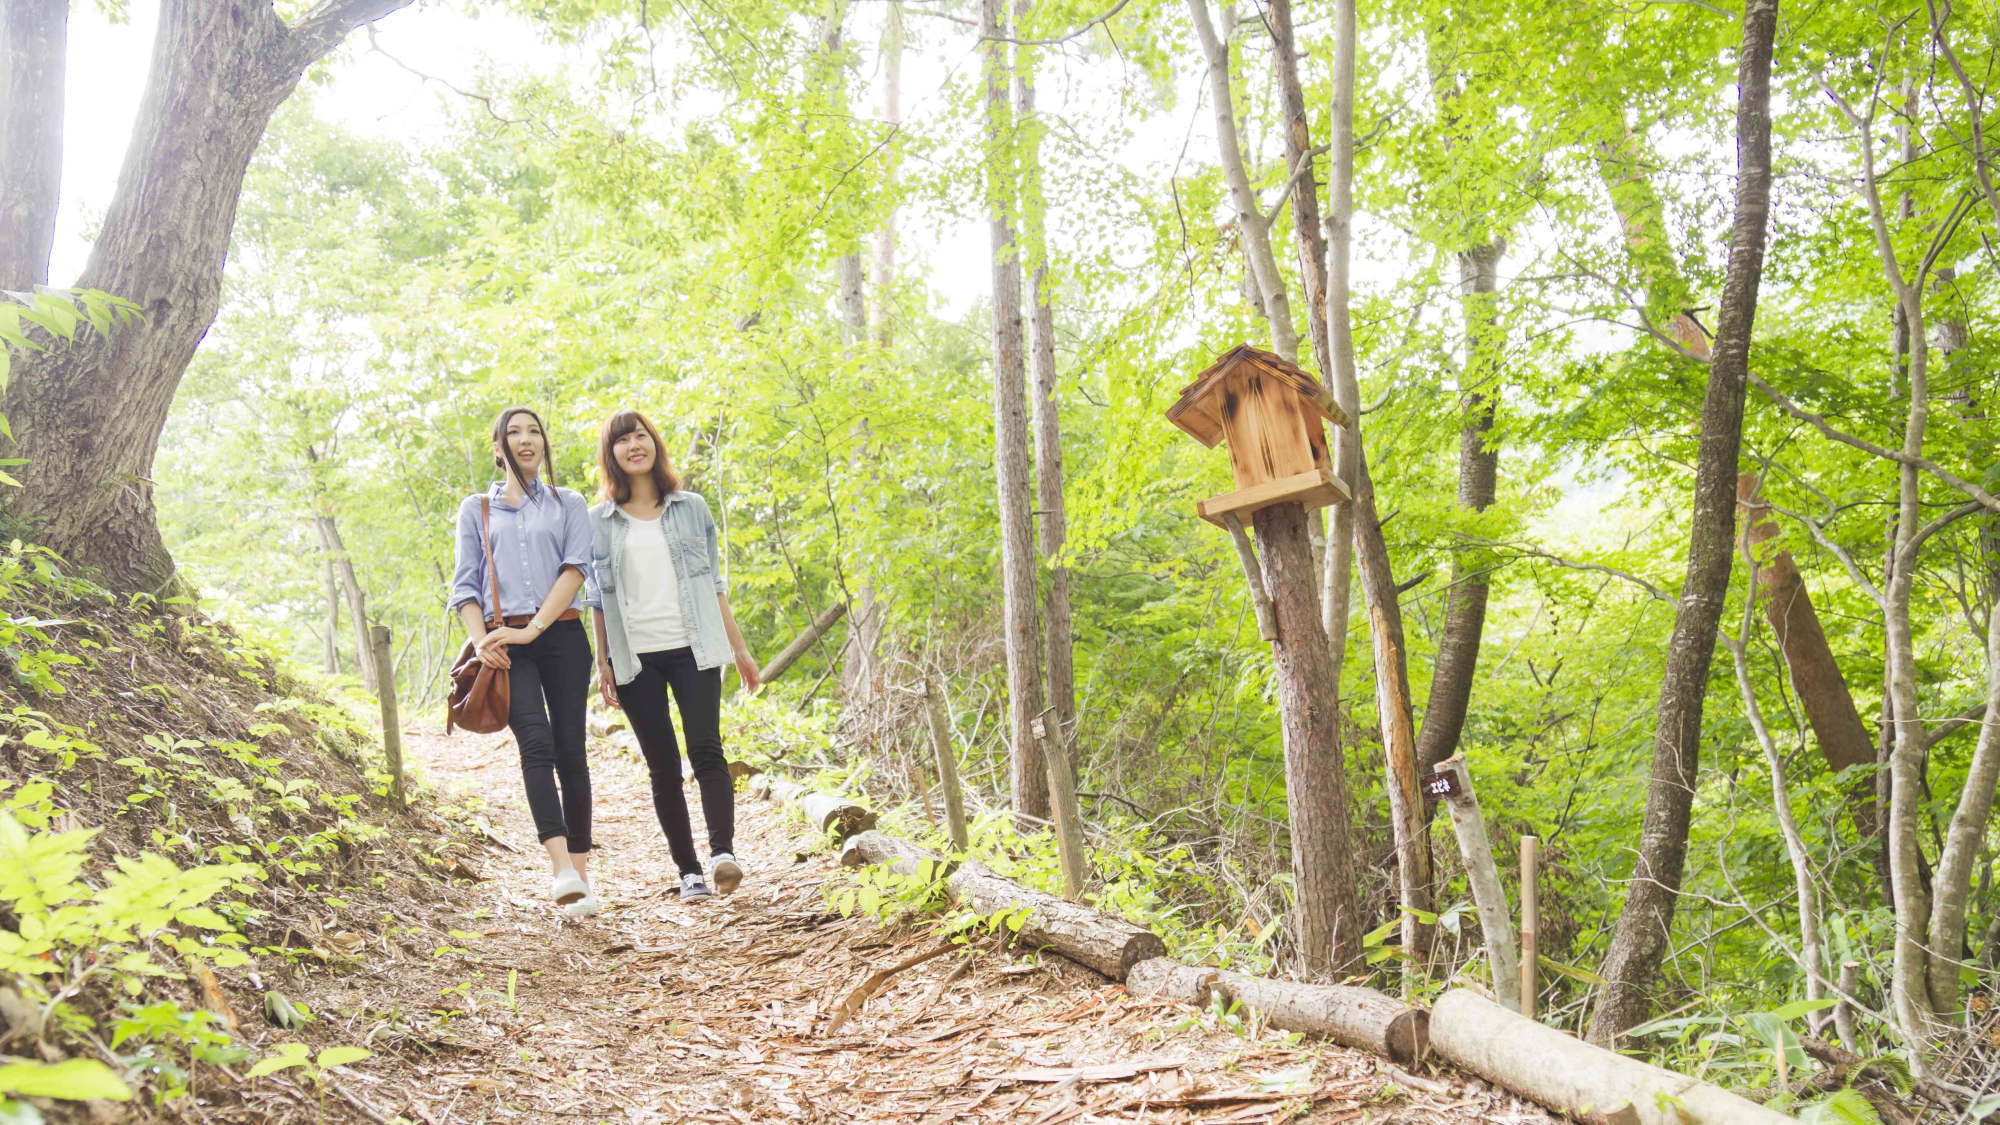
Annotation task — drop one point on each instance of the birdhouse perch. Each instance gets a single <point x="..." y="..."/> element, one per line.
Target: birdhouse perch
<point x="1270" y="413"/>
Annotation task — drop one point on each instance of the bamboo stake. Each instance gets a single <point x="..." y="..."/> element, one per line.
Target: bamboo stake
<point x="1495" y="918"/>
<point x="1530" y="912"/>
<point x="392" y="726"/>
<point x="947" y="764"/>
<point x="1260" y="598"/>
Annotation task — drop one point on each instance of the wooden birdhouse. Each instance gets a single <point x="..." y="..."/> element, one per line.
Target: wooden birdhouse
<point x="1270" y="412"/>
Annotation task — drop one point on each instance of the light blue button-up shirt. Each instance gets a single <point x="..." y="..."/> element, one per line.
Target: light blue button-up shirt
<point x="689" y="530"/>
<point x="532" y="544"/>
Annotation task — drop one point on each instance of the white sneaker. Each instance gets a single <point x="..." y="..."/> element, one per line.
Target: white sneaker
<point x="568" y="887"/>
<point x="726" y="872"/>
<point x="585" y="907"/>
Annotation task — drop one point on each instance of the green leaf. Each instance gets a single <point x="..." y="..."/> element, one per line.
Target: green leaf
<point x="1842" y="1107"/>
<point x="72" y="1079"/>
<point x="1798" y="1008"/>
<point x="287" y="1055"/>
<point x="341" y="1056"/>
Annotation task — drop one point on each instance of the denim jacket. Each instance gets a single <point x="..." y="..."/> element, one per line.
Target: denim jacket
<point x="691" y="543"/>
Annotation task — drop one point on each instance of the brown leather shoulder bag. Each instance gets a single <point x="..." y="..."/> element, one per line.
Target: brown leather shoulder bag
<point x="480" y="694"/>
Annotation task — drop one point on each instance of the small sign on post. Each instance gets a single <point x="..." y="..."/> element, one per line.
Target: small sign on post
<point x="1441" y="785"/>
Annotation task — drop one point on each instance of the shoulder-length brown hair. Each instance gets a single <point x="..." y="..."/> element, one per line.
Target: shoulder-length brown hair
<point x="617" y="486"/>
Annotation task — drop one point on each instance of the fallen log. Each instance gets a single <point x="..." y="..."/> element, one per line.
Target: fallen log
<point x="803" y="641"/>
<point x="1089" y="937"/>
<point x="1357" y="1017"/>
<point x="1101" y="941"/>
<point x="1571" y="1076"/>
<point x="901" y="856"/>
<point x="1163" y="978"/>
<point x="837" y="815"/>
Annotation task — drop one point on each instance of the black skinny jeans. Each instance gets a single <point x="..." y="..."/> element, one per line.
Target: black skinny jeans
<point x="698" y="693"/>
<point x="550" y="683"/>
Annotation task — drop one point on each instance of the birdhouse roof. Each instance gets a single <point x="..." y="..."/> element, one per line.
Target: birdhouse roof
<point x="1199" y="409"/>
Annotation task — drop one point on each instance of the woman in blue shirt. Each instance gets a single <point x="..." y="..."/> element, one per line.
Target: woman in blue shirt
<point x="541" y="546"/>
<point x="664" y="624"/>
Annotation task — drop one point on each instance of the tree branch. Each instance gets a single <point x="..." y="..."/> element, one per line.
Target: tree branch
<point x="321" y="30"/>
<point x="1979" y="495"/>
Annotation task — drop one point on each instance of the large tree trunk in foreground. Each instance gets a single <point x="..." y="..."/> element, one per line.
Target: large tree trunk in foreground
<point x="1028" y="772"/>
<point x="87" y="415"/>
<point x="1639" y="941"/>
<point x="34" y="46"/>
<point x="1326" y="919"/>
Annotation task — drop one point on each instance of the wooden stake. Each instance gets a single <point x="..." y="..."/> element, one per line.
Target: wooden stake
<point x="1843" y="1012"/>
<point x="392" y="727"/>
<point x="1530" y="919"/>
<point x="1496" y="919"/>
<point x="947" y="764"/>
<point x="1260" y="598"/>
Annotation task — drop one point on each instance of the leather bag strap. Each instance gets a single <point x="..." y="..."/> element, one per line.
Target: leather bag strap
<point x="494" y="620"/>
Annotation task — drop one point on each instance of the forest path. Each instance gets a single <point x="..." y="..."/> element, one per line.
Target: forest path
<point x="655" y="1011"/>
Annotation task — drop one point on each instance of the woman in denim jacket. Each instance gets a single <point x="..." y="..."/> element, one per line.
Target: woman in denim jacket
<point x="664" y="624"/>
<point x="541" y="545"/>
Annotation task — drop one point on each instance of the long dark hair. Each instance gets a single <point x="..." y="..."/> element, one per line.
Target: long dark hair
<point x="617" y="486"/>
<point x="503" y="458"/>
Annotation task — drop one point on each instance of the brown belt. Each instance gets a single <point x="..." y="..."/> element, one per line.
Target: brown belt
<point x="520" y="620"/>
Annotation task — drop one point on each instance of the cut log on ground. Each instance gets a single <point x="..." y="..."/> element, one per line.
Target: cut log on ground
<point x="1163" y="978"/>
<point x="1357" y="1017"/>
<point x="1089" y="937"/>
<point x="899" y="854"/>
<point x="837" y="815"/>
<point x="1574" y="1077"/>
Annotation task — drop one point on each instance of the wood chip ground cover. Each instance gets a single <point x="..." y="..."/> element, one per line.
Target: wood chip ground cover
<point x="492" y="1007"/>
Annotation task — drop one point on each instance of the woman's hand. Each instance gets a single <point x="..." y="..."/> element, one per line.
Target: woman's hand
<point x="607" y="685"/>
<point x="753" y="680"/>
<point x="506" y="635"/>
<point x="493" y="656"/>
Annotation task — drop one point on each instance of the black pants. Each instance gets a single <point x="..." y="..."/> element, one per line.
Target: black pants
<point x="698" y="693"/>
<point x="550" y="682"/>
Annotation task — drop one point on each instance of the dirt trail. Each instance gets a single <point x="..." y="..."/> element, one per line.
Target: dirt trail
<point x="655" y="1012"/>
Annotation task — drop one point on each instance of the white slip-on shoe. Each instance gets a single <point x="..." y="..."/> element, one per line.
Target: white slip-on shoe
<point x="726" y="872"/>
<point x="585" y="907"/>
<point x="568" y="887"/>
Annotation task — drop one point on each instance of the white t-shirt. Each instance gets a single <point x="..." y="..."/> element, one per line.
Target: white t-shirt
<point x="652" y="601"/>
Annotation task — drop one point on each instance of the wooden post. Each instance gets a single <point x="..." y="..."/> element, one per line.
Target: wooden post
<point x="392" y="727"/>
<point x="803" y="641"/>
<point x="947" y="764"/>
<point x="1843" y="1012"/>
<point x="1453" y="783"/>
<point x="1260" y="598"/>
<point x="1066" y="818"/>
<point x="1530" y="910"/>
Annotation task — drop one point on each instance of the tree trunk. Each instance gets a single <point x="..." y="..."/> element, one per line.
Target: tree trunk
<point x="1029" y="772"/>
<point x="332" y="617"/>
<point x="1047" y="415"/>
<point x="1337" y="575"/>
<point x="1478" y="473"/>
<point x="87" y="415"/>
<point x="357" y="601"/>
<point x="1639" y="941"/>
<point x="1836" y="725"/>
<point x="1967" y="832"/>
<point x="34" y="42"/>
<point x="1327" y="918"/>
<point x="1250" y="223"/>
<point x="1307" y="226"/>
<point x="892" y="112"/>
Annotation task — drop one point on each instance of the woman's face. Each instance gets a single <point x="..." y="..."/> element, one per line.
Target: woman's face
<point x="634" y="452"/>
<point x="526" y="441"/>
